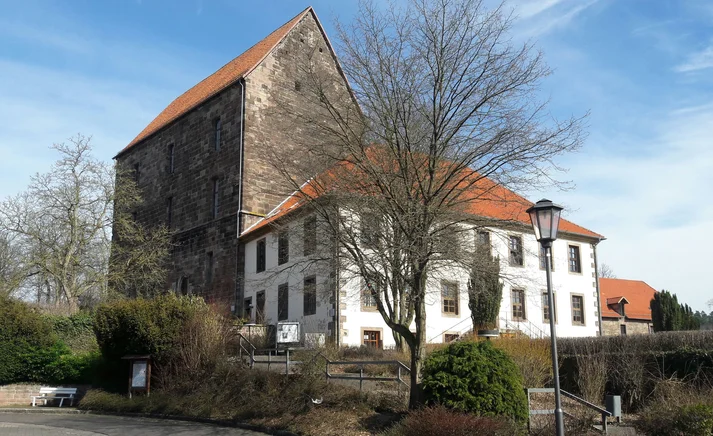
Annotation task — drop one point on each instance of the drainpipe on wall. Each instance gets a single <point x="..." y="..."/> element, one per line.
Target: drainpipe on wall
<point x="596" y="279"/>
<point x="240" y="278"/>
<point x="337" y="306"/>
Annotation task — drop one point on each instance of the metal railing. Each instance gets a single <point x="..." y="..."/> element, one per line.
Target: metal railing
<point x="453" y="329"/>
<point x="246" y="348"/>
<point x="526" y="327"/>
<point x="602" y="412"/>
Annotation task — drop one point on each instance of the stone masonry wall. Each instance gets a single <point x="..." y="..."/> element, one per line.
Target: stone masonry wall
<point x="197" y="163"/>
<point x="190" y="186"/>
<point x="275" y="82"/>
<point x="18" y="394"/>
<point x="611" y="326"/>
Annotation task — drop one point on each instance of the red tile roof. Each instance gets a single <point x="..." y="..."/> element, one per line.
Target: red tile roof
<point x="216" y="82"/>
<point x="494" y="202"/>
<point x="637" y="293"/>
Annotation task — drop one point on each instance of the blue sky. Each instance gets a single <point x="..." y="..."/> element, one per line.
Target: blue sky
<point x="644" y="70"/>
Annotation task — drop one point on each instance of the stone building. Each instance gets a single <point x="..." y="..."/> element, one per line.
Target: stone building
<point x="201" y="162"/>
<point x="204" y="170"/>
<point x="626" y="307"/>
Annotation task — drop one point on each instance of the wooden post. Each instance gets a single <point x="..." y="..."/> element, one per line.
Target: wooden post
<point x="287" y="362"/>
<point x="361" y="378"/>
<point x="398" y="383"/>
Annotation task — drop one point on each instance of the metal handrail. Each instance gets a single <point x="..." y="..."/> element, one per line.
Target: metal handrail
<point x="602" y="412"/>
<point x="329" y="376"/>
<point x="451" y="329"/>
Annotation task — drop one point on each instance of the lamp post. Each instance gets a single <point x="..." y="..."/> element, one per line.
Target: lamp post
<point x="545" y="217"/>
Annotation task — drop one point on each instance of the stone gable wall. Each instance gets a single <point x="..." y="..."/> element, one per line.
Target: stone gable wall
<point x="196" y="164"/>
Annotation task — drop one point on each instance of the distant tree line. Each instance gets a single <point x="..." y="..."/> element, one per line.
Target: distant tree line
<point x="669" y="315"/>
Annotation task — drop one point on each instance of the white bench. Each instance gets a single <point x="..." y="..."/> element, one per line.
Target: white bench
<point x="61" y="394"/>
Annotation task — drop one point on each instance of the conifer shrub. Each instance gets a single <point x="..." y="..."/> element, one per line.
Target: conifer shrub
<point x="475" y="377"/>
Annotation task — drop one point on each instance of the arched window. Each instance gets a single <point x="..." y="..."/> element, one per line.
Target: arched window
<point x="216" y="139"/>
<point x="183" y="286"/>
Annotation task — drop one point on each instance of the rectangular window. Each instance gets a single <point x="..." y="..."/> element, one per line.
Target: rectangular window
<point x="209" y="268"/>
<point x="216" y="198"/>
<point x="169" y="211"/>
<point x="450" y="337"/>
<point x="283" y="247"/>
<point x="622" y="329"/>
<point x="260" y="309"/>
<point x="483" y="241"/>
<point x="449" y="298"/>
<point x="247" y="308"/>
<point x="577" y="309"/>
<point x="310" y="295"/>
<point x="368" y="299"/>
<point x="543" y="258"/>
<point x="171" y="158"/>
<point x="282" y="302"/>
<point x="136" y="173"/>
<point x="575" y="265"/>
<point x="546" y="307"/>
<point x="372" y="339"/>
<point x="260" y="254"/>
<point x="309" y="235"/>
<point x="217" y="127"/>
<point x="369" y="229"/>
<point x="516" y="257"/>
<point x="517" y="297"/>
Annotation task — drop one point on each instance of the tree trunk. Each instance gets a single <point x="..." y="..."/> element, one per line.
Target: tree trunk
<point x="418" y="356"/>
<point x="398" y="341"/>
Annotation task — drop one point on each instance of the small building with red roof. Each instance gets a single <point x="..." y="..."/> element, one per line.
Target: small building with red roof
<point x="626" y="306"/>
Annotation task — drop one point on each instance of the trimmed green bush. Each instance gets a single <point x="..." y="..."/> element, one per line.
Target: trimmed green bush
<point x="76" y="331"/>
<point x="475" y="377"/>
<point x="676" y="420"/>
<point x="27" y="342"/>
<point x="144" y="326"/>
<point x="152" y="327"/>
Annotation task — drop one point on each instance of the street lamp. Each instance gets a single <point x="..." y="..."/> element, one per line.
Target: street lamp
<point x="545" y="217"/>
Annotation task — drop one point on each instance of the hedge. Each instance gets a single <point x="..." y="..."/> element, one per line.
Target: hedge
<point x="633" y="365"/>
<point x="27" y="342"/>
<point x="141" y="327"/>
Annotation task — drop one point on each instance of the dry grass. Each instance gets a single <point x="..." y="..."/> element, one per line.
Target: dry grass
<point x="532" y="357"/>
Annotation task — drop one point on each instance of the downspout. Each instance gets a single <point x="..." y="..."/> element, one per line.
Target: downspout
<point x="239" y="280"/>
<point x="596" y="279"/>
<point x="337" y="308"/>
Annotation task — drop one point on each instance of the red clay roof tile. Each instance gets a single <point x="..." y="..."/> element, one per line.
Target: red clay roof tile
<point x="216" y="82"/>
<point x="637" y="293"/>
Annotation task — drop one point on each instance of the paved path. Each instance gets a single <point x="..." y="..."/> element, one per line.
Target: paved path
<point x="41" y="424"/>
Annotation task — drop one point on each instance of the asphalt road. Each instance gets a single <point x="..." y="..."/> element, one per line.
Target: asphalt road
<point x="37" y="424"/>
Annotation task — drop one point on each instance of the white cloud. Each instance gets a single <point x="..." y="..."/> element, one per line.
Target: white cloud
<point x="697" y="61"/>
<point x="654" y="208"/>
<point x="537" y="17"/>
<point x="527" y="9"/>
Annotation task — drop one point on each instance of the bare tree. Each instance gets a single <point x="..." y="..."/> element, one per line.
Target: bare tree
<point x="62" y="225"/>
<point x="606" y="272"/>
<point x="442" y="112"/>
<point x="138" y="264"/>
<point x="12" y="270"/>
